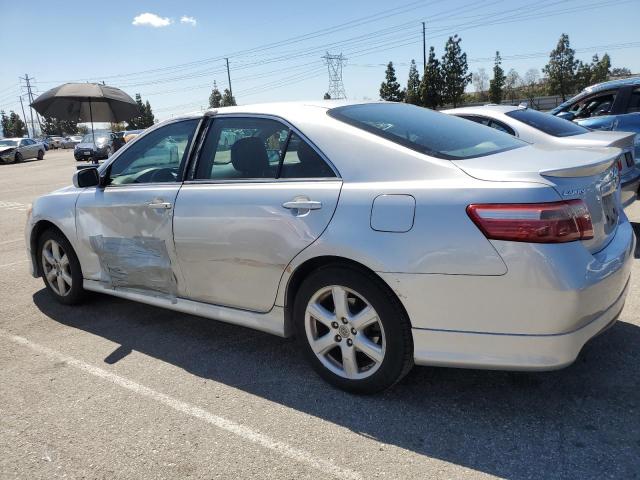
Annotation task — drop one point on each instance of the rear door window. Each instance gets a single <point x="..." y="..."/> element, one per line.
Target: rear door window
<point x="547" y="123"/>
<point x="423" y="130"/>
<point x="634" y="102"/>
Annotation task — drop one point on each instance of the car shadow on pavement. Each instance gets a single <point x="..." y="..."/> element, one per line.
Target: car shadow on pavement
<point x="579" y="422"/>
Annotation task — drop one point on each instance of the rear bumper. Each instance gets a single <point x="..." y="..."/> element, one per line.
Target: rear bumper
<point x="509" y="352"/>
<point x="538" y="315"/>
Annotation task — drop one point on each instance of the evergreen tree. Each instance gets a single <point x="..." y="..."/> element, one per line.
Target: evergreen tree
<point x="413" y="85"/>
<point x="454" y="71"/>
<point x="620" y="72"/>
<point x="601" y="69"/>
<point x="145" y="119"/>
<point x="561" y="69"/>
<point x="216" y="97"/>
<point x="431" y="85"/>
<point x="149" y="117"/>
<point x="327" y="96"/>
<point x="15" y="127"/>
<point x="53" y="126"/>
<point x="496" y="84"/>
<point x="390" y="88"/>
<point x="583" y="75"/>
<point x="4" y="120"/>
<point x="227" y="99"/>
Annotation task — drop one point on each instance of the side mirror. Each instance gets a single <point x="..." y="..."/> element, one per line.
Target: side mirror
<point x="566" y="115"/>
<point x="87" y="177"/>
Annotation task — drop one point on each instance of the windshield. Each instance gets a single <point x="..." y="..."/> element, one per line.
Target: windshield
<point x="99" y="138"/>
<point x="426" y="131"/>
<point x="547" y="123"/>
<point x="8" y="143"/>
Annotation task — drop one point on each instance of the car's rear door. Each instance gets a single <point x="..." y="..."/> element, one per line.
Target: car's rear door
<point x="126" y="227"/>
<point x="258" y="195"/>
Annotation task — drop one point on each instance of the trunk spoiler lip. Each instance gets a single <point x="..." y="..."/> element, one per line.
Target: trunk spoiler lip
<point x="581" y="171"/>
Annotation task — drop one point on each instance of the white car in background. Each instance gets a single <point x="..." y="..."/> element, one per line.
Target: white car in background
<point x="543" y="129"/>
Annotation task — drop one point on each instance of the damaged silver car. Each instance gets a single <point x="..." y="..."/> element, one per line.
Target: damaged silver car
<point x="381" y="234"/>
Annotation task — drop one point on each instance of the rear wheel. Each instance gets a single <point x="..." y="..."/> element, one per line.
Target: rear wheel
<point x="60" y="267"/>
<point x="353" y="330"/>
<point x="40" y="154"/>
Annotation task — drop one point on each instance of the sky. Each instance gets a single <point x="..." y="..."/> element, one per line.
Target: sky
<point x="171" y="52"/>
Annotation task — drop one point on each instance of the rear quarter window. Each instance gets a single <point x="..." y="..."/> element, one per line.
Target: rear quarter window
<point x="423" y="130"/>
<point x="547" y="123"/>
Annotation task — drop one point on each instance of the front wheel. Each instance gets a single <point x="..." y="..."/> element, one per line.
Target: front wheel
<point x="353" y="330"/>
<point x="60" y="268"/>
<point x="18" y="157"/>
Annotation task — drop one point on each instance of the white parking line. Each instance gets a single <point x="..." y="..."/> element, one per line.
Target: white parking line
<point x="13" y="206"/>
<point x="6" y="242"/>
<point x="230" y="426"/>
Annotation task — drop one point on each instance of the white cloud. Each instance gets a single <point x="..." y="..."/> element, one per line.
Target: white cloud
<point x="151" y="20"/>
<point x="189" y="20"/>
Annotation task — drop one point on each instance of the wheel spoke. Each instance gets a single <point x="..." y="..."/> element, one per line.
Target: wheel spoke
<point x="66" y="277"/>
<point x="339" y="295"/>
<point x="62" y="287"/>
<point x="55" y="250"/>
<point x="364" y="318"/>
<point x="48" y="256"/>
<point x="51" y="275"/>
<point x="321" y="314"/>
<point x="370" y="349"/>
<point x="323" y="344"/>
<point x="349" y="363"/>
<point x="64" y="261"/>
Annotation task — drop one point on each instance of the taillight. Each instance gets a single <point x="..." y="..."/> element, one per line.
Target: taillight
<point x="619" y="163"/>
<point x="553" y="222"/>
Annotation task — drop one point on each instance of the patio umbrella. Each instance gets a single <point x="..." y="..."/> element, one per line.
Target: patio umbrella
<point x="86" y="102"/>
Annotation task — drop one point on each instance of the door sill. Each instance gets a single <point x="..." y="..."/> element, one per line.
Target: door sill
<point x="270" y="322"/>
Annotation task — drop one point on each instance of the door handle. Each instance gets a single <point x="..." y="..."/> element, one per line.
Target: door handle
<point x="303" y="205"/>
<point x="160" y="205"/>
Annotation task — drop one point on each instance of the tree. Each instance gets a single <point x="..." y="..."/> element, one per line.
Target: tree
<point x="496" y="84"/>
<point x="145" y="119"/>
<point x="12" y="125"/>
<point x="511" y="83"/>
<point x="413" y="85"/>
<point x="620" y="72"/>
<point x="480" y="80"/>
<point x="54" y="126"/>
<point x="390" y="88"/>
<point x="327" y="96"/>
<point x="431" y="85"/>
<point x="561" y="69"/>
<point x="584" y="74"/>
<point x="4" y="121"/>
<point x="215" y="99"/>
<point x="601" y="69"/>
<point x="530" y="85"/>
<point x="454" y="71"/>
<point x="227" y="99"/>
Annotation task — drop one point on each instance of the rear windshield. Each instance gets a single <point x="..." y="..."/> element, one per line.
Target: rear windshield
<point x="426" y="131"/>
<point x="547" y="123"/>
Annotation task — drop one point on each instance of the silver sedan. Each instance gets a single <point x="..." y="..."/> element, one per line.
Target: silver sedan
<point x="379" y="234"/>
<point x="19" y="149"/>
<point x="544" y="129"/>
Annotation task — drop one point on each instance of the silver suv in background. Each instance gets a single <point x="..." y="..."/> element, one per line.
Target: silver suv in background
<point x="97" y="148"/>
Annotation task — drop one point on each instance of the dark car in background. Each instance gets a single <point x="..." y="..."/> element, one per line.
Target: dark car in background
<point x="94" y="149"/>
<point x="613" y="105"/>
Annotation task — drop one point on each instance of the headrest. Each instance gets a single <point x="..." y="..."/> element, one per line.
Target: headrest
<point x="249" y="156"/>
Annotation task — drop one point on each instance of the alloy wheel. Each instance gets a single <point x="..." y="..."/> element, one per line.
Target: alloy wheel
<point x="56" y="267"/>
<point x="345" y="333"/>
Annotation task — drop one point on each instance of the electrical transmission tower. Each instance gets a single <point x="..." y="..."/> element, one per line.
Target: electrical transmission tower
<point x="29" y="92"/>
<point x="334" y="65"/>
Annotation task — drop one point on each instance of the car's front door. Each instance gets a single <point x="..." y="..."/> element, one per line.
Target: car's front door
<point x="125" y="226"/>
<point x="259" y="194"/>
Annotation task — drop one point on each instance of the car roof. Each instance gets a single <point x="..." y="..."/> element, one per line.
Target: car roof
<point x="612" y="84"/>
<point x="479" y="109"/>
<point x="14" y="138"/>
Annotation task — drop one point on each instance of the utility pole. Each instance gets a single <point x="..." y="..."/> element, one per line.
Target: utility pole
<point x="30" y="95"/>
<point x="424" y="47"/>
<point x="23" y="115"/>
<point x="229" y="78"/>
<point x="334" y="66"/>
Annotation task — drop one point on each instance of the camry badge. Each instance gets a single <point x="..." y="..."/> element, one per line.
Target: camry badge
<point x="574" y="192"/>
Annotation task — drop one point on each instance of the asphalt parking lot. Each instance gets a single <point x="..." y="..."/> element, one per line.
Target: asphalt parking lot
<point x="115" y="389"/>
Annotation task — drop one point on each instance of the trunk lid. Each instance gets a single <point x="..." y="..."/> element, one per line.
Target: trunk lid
<point x="587" y="174"/>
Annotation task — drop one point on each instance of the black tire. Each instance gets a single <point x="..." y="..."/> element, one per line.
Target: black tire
<point x="17" y="158"/>
<point x="76" y="293"/>
<point x="398" y="356"/>
<point x="40" y="154"/>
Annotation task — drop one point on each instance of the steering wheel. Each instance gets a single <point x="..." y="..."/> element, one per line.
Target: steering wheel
<point x="164" y="175"/>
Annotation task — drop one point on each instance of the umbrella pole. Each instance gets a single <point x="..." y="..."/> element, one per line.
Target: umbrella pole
<point x="93" y="135"/>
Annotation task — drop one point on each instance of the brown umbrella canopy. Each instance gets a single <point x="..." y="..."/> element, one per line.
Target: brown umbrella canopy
<point x="86" y="102"/>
